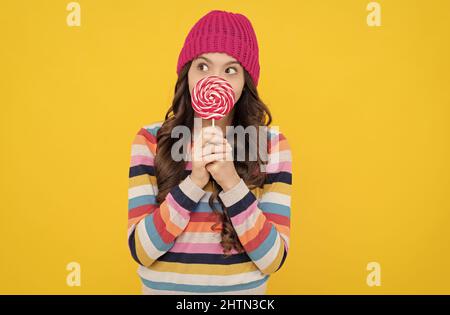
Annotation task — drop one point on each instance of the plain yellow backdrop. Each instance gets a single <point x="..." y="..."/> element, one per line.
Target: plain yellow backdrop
<point x="365" y="109"/>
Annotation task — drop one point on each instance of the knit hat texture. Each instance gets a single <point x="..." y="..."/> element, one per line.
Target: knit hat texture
<point x="221" y="31"/>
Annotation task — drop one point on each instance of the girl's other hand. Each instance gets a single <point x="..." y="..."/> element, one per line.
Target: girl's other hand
<point x="218" y="155"/>
<point x="207" y="147"/>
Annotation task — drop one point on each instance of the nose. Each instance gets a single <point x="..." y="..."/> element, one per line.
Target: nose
<point x="216" y="72"/>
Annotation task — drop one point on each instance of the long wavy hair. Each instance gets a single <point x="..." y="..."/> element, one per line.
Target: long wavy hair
<point x="249" y="110"/>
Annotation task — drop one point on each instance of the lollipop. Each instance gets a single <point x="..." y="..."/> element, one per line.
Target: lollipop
<point x="212" y="98"/>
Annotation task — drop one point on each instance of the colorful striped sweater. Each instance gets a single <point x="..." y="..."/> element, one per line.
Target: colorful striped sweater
<point x="173" y="243"/>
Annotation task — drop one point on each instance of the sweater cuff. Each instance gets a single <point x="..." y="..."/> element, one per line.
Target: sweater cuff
<point x="235" y="194"/>
<point x="191" y="189"/>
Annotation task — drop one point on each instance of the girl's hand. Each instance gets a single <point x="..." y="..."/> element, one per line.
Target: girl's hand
<point x="219" y="158"/>
<point x="205" y="149"/>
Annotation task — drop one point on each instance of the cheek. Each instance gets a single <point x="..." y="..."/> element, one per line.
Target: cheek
<point x="190" y="83"/>
<point x="191" y="86"/>
<point x="238" y="85"/>
<point x="237" y="88"/>
<point x="192" y="79"/>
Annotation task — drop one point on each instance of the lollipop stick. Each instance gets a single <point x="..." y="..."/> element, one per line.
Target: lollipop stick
<point x="213" y="181"/>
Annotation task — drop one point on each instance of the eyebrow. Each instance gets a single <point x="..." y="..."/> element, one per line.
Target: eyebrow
<point x="228" y="63"/>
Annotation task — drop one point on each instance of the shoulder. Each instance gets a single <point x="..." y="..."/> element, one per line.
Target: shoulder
<point x="277" y="141"/>
<point x="152" y="128"/>
<point x="279" y="166"/>
<point x="146" y="135"/>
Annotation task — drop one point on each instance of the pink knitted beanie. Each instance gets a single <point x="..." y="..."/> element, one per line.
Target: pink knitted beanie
<point x="221" y="31"/>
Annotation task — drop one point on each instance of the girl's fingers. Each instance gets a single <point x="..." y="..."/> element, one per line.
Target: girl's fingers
<point x="213" y="133"/>
<point x="211" y="148"/>
<point x="212" y="139"/>
<point x="213" y="130"/>
<point x="223" y="152"/>
<point x="215" y="157"/>
<point x="215" y="148"/>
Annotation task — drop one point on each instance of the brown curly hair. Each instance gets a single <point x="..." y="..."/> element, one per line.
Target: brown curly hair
<point x="249" y="111"/>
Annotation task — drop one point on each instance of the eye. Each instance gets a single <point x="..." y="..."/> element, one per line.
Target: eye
<point x="200" y="66"/>
<point x="233" y="68"/>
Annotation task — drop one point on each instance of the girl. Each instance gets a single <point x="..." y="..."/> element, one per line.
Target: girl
<point x="211" y="224"/>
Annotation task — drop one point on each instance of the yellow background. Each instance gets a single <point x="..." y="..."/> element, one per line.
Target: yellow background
<point x="365" y="109"/>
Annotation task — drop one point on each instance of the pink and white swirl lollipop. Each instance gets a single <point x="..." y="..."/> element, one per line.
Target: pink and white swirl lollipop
<point x="212" y="98"/>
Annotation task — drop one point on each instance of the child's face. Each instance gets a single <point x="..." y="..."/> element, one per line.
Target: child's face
<point x="220" y="64"/>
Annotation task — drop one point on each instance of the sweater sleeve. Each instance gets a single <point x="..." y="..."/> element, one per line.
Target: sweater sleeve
<point x="263" y="226"/>
<point x="153" y="227"/>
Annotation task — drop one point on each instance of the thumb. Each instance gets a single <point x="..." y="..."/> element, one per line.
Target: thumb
<point x="209" y="165"/>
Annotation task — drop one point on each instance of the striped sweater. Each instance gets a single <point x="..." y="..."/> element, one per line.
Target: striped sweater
<point x="173" y="243"/>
